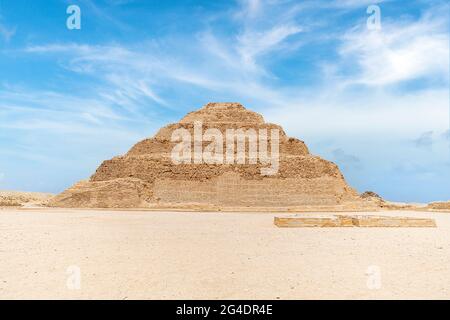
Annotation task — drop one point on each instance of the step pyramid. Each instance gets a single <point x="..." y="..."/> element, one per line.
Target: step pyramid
<point x="147" y="176"/>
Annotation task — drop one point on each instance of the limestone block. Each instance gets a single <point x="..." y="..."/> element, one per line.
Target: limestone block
<point x="324" y="221"/>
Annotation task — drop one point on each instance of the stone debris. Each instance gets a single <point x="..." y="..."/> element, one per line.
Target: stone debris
<point x="326" y="221"/>
<point x="23" y="199"/>
<point x="439" y="205"/>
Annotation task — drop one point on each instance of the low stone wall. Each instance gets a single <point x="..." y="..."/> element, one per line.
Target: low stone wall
<point x="325" y="221"/>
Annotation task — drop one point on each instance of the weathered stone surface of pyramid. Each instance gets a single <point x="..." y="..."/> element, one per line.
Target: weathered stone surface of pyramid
<point x="147" y="177"/>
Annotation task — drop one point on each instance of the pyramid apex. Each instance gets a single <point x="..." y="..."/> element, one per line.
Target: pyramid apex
<point x="223" y="105"/>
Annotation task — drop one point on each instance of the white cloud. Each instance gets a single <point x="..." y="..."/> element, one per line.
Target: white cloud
<point x="400" y="51"/>
<point x="249" y="9"/>
<point x="132" y="74"/>
<point x="346" y="160"/>
<point x="254" y="43"/>
<point x="129" y="74"/>
<point x="403" y="50"/>
<point x="264" y="27"/>
<point x="386" y="115"/>
<point x="130" y="89"/>
<point x="29" y="101"/>
<point x="27" y="111"/>
<point x="355" y="3"/>
<point x="7" y="33"/>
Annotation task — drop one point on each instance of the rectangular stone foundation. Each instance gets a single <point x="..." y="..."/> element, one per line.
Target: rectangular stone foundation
<point x="323" y="221"/>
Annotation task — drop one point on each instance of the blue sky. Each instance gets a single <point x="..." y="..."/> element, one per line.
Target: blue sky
<point x="376" y="102"/>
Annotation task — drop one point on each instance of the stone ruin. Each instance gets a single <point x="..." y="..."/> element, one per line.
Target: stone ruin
<point x="147" y="177"/>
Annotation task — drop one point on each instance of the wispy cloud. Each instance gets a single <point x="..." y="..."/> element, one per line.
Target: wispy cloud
<point x="355" y="3"/>
<point x="255" y="43"/>
<point x="425" y="140"/>
<point x="131" y="74"/>
<point x="346" y="160"/>
<point x="102" y="13"/>
<point x="62" y="113"/>
<point x="249" y="9"/>
<point x="402" y="50"/>
<point x="6" y="32"/>
<point x="266" y="25"/>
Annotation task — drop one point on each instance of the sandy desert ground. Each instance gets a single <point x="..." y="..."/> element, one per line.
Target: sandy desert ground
<point x="171" y="255"/>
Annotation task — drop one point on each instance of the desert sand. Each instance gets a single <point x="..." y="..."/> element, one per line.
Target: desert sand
<point x="213" y="255"/>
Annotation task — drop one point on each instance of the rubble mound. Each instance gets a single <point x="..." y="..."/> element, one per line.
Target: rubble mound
<point x="370" y="195"/>
<point x="147" y="176"/>
<point x="444" y="205"/>
<point x="23" y="199"/>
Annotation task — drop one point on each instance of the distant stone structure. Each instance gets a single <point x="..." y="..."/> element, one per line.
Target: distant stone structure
<point x="23" y="199"/>
<point x="364" y="221"/>
<point x="444" y="205"/>
<point x="146" y="176"/>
